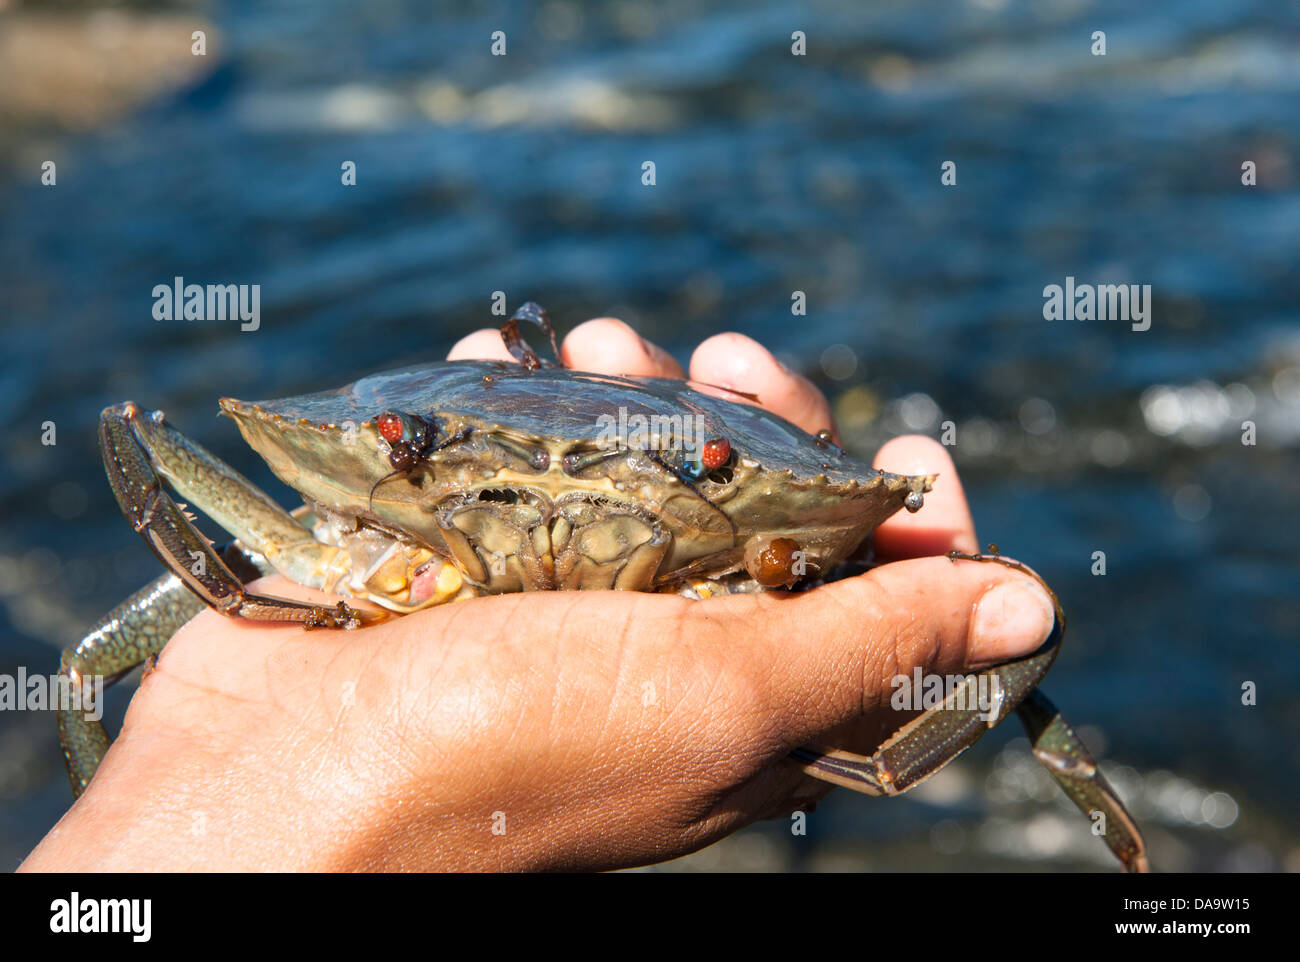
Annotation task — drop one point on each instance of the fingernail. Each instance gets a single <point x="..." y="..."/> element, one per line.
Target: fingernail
<point x="1011" y="620"/>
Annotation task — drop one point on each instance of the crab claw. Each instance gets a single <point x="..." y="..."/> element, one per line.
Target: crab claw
<point x="341" y="616"/>
<point x="533" y="313"/>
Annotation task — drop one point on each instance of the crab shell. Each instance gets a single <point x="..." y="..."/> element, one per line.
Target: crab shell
<point x="564" y="479"/>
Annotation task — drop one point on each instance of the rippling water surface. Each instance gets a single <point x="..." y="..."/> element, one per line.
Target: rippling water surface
<point x="774" y="174"/>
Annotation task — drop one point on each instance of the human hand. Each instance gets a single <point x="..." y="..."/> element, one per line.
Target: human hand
<point x="551" y="730"/>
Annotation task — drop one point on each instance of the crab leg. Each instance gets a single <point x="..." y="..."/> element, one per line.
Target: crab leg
<point x="931" y="740"/>
<point x="1063" y="755"/>
<point x="127" y="636"/>
<point x="533" y="313"/>
<point x="140" y="451"/>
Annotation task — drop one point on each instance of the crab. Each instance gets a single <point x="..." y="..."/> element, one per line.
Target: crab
<point x="444" y="482"/>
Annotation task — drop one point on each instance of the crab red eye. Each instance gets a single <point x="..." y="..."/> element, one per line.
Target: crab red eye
<point x="390" y="427"/>
<point x="716" y="453"/>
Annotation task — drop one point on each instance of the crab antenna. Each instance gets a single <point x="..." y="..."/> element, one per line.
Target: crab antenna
<point x="391" y="474"/>
<point x="461" y="435"/>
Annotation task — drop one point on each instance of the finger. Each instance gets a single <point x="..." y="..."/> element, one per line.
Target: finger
<point x="944" y="523"/>
<point x="742" y="364"/>
<point x="484" y="344"/>
<point x="832" y="654"/>
<point x="608" y="346"/>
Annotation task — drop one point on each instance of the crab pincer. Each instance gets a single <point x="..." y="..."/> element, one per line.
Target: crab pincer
<point x="533" y="313"/>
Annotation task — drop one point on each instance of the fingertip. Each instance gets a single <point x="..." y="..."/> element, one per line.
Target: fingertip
<point x="484" y="344"/>
<point x="732" y="360"/>
<point x="914" y="454"/>
<point x="735" y="362"/>
<point x="850" y="639"/>
<point x="944" y="523"/>
<point x="1011" y="619"/>
<point x="606" y="345"/>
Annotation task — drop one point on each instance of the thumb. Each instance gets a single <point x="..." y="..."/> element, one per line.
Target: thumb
<point x="834" y="651"/>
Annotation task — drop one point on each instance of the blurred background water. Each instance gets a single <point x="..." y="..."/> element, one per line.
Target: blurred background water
<point x="775" y="173"/>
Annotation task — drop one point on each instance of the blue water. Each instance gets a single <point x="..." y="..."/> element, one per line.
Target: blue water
<point x="774" y="174"/>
